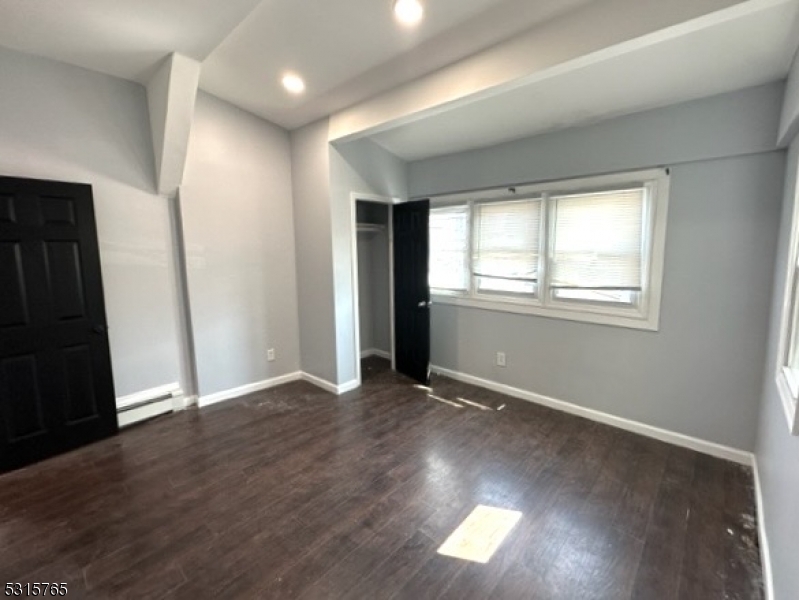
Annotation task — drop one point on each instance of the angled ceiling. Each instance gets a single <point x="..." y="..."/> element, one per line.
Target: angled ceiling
<point x="124" y="38"/>
<point x="349" y="50"/>
<point x="352" y="51"/>
<point x="722" y="52"/>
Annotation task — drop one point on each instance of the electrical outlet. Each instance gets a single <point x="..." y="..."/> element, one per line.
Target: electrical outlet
<point x="501" y="359"/>
<point x="270" y="354"/>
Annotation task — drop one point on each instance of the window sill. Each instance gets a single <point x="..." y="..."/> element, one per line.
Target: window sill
<point x="788" y="401"/>
<point x="599" y="316"/>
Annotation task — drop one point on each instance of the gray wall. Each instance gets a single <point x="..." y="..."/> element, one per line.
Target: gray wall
<point x="365" y="290"/>
<point x="700" y="374"/>
<point x="310" y="172"/>
<point x="239" y="234"/>
<point x="778" y="451"/>
<point x="737" y="123"/>
<point x="373" y="284"/>
<point x="361" y="167"/>
<point x="325" y="176"/>
<point x="66" y="123"/>
<point x="381" y="293"/>
<point x="789" y="123"/>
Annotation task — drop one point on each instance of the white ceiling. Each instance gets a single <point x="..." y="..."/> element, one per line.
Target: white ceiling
<point x="717" y="56"/>
<point x="347" y="50"/>
<point x="125" y="38"/>
<point x="351" y="50"/>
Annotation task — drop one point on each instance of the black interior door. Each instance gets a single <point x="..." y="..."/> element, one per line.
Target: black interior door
<point x="56" y="388"/>
<point x="411" y="289"/>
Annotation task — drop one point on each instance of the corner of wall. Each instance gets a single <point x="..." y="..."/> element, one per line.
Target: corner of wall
<point x="776" y="450"/>
<point x="789" y="121"/>
<point x="311" y="193"/>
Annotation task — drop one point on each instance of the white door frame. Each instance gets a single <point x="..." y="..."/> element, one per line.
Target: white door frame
<point x="356" y="316"/>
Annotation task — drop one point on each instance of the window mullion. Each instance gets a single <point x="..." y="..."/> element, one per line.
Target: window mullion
<point x="470" y="251"/>
<point x="647" y="242"/>
<point x="545" y="250"/>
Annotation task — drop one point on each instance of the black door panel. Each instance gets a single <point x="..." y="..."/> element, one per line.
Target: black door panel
<point x="56" y="388"/>
<point x="411" y="290"/>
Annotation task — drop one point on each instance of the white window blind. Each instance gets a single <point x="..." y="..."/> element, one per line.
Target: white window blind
<point x="449" y="243"/>
<point x="506" y="246"/>
<point x="598" y="240"/>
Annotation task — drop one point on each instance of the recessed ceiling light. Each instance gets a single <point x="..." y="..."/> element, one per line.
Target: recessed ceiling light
<point x="408" y="12"/>
<point x="293" y="83"/>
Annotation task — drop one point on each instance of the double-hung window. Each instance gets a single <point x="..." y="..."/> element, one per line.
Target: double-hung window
<point x="597" y="246"/>
<point x="585" y="250"/>
<point x="505" y="255"/>
<point x="449" y="249"/>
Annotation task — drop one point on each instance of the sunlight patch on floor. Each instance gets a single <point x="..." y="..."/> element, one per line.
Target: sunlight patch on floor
<point x="475" y="404"/>
<point x="444" y="400"/>
<point x="480" y="534"/>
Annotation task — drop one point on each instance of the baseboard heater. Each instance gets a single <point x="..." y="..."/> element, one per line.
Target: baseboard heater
<point x="147" y="404"/>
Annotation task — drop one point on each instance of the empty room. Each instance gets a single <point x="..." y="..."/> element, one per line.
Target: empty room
<point x="388" y="299"/>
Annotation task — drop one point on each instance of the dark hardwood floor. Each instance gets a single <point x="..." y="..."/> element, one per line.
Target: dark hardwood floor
<point x="292" y="493"/>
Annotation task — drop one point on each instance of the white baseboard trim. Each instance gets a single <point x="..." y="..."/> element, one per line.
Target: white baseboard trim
<point x="353" y="384"/>
<point x="375" y="352"/>
<point x="247" y="389"/>
<point x="331" y="387"/>
<point x="161" y="391"/>
<point x="765" y="553"/>
<point x="664" y="435"/>
<point x="184" y="402"/>
<point x="258" y="386"/>
<point x="321" y="383"/>
<point x="144" y="412"/>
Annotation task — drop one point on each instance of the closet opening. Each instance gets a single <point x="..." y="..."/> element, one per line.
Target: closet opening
<point x="374" y="283"/>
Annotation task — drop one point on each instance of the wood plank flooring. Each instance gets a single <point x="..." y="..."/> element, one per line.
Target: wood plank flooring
<point x="292" y="493"/>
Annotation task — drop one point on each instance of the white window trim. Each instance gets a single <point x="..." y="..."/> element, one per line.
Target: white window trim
<point x="646" y="316"/>
<point x="787" y="386"/>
